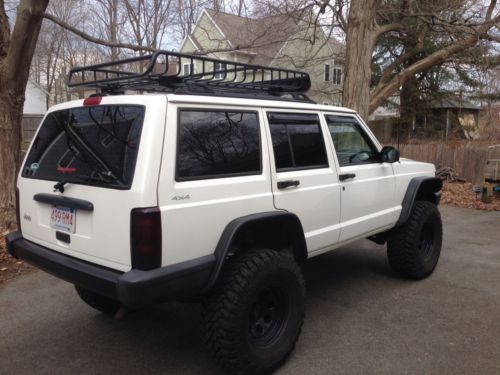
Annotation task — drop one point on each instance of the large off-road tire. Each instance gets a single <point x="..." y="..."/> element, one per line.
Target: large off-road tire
<point x="98" y="302"/>
<point x="253" y="318"/>
<point x="414" y="248"/>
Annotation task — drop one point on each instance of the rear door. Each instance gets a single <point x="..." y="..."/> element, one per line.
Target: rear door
<point x="109" y="156"/>
<point x="304" y="176"/>
<point x="368" y="186"/>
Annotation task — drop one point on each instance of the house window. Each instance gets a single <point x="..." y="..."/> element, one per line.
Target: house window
<point x="221" y="67"/>
<point x="327" y="72"/>
<point x="337" y="76"/>
<point x="187" y="69"/>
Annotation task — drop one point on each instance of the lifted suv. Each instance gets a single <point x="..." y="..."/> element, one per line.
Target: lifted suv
<point x="217" y="186"/>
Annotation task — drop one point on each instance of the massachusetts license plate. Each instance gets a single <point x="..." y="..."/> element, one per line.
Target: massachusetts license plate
<point x="63" y="218"/>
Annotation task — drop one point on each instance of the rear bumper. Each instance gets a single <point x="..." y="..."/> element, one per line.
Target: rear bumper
<point x="134" y="288"/>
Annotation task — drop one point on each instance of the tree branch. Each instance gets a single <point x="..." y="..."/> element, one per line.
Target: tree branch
<point x="386" y="28"/>
<point x="340" y="5"/>
<point x="493" y="38"/>
<point x="92" y="39"/>
<point x="386" y="74"/>
<point x="383" y="91"/>
<point x="491" y="8"/>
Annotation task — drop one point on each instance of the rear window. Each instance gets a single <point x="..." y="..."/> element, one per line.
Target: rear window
<point x="89" y="145"/>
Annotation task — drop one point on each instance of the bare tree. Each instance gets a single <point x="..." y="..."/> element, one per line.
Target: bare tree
<point x="187" y="12"/>
<point x="108" y="20"/>
<point x="149" y="20"/>
<point x="51" y="48"/>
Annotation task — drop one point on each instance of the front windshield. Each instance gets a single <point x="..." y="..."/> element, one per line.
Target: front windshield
<point x="96" y="145"/>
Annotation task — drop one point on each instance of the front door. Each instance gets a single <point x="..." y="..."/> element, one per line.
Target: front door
<point x="368" y="186"/>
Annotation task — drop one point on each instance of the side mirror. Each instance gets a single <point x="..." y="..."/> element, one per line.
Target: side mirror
<point x="389" y="154"/>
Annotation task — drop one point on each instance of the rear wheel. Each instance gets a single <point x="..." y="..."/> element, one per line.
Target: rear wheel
<point x="97" y="301"/>
<point x="414" y="248"/>
<point x="253" y="318"/>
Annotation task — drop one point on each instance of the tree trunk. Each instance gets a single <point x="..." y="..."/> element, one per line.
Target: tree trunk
<point x="361" y="35"/>
<point x="11" y="112"/>
<point x="14" y="74"/>
<point x="409" y="105"/>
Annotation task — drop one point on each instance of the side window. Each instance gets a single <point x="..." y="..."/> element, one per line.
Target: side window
<point x="352" y="144"/>
<point x="213" y="144"/>
<point x="297" y="141"/>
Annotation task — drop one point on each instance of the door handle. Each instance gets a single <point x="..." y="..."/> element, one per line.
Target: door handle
<point x="288" y="183"/>
<point x="346" y="176"/>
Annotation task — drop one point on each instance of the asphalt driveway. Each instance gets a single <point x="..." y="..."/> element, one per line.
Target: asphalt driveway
<point x="360" y="318"/>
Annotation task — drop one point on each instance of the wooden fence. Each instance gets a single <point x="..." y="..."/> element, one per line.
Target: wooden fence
<point x="468" y="160"/>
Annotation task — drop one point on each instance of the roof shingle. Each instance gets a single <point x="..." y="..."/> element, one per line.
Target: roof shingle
<point x="261" y="36"/>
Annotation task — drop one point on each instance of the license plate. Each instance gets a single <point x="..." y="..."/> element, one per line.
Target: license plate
<point x="63" y="218"/>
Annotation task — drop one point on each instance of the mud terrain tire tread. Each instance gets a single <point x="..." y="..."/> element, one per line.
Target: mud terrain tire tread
<point x="224" y="325"/>
<point x="403" y="252"/>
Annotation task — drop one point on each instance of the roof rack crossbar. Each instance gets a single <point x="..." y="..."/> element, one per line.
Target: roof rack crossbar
<point x="165" y="71"/>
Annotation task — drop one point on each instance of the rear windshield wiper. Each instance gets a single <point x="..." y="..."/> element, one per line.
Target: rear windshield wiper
<point x="83" y="147"/>
<point x="79" y="177"/>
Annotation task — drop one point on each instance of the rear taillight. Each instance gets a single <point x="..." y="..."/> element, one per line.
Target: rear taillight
<point x="145" y="236"/>
<point x="18" y="210"/>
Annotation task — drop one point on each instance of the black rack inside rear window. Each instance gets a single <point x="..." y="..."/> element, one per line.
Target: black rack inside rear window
<point x="166" y="71"/>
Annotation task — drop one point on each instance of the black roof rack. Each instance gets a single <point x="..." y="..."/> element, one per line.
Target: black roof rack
<point x="167" y="71"/>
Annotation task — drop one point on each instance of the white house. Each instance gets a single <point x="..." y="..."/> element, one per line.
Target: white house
<point x="36" y="99"/>
<point x="35" y="106"/>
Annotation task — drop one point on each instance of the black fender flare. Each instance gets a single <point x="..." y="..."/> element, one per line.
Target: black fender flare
<point x="277" y="219"/>
<point x="419" y="188"/>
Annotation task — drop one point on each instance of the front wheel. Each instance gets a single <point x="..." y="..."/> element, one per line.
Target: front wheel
<point x="414" y="248"/>
<point x="253" y="318"/>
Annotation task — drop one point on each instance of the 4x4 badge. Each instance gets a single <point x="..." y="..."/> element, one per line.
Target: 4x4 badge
<point x="181" y="197"/>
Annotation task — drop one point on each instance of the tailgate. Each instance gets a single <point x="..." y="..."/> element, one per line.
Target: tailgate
<point x="106" y="159"/>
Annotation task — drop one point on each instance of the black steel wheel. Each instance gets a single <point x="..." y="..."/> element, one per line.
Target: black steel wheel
<point x="268" y="316"/>
<point x="253" y="318"/>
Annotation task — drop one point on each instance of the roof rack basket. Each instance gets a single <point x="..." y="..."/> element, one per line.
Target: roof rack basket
<point x="166" y="71"/>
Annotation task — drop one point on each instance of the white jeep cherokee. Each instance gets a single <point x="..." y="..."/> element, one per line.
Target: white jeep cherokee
<point x="216" y="186"/>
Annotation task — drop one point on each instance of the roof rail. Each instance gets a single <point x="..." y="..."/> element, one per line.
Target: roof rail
<point x="167" y="71"/>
